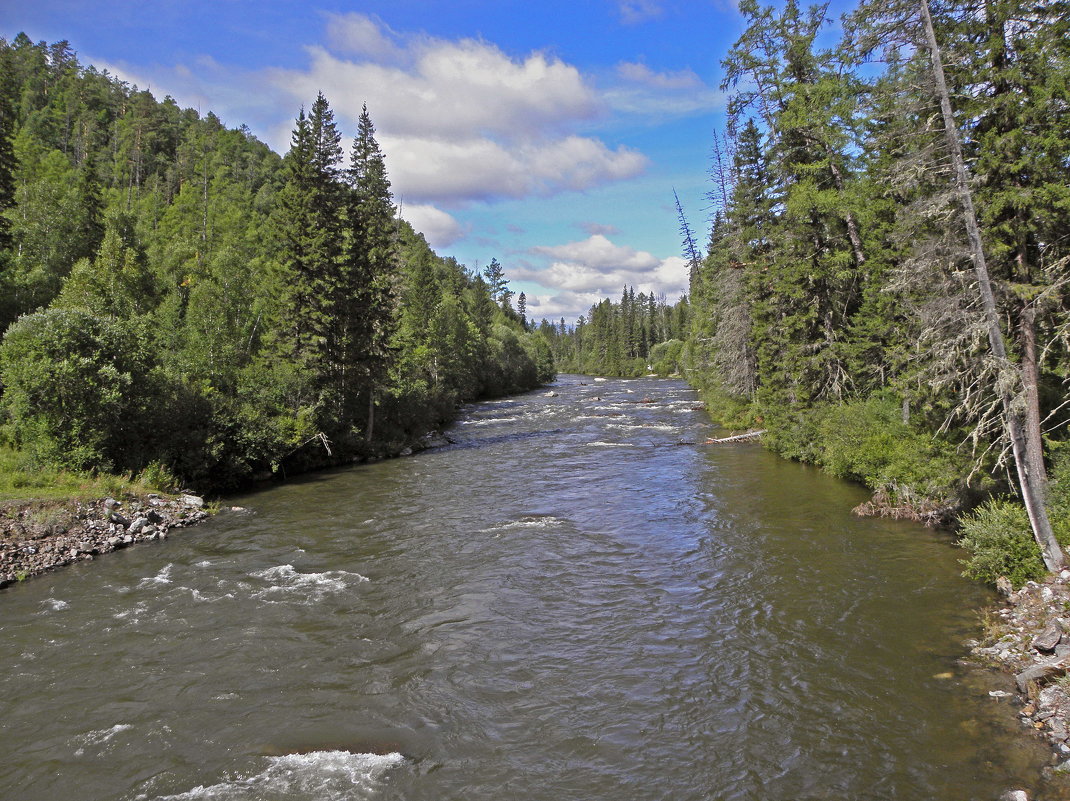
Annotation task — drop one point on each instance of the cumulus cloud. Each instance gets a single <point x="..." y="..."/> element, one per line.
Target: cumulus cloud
<point x="432" y="169"/>
<point x="598" y="253"/>
<point x="439" y="228"/>
<point x="462" y="120"/>
<point x="582" y="273"/>
<point x="463" y="88"/>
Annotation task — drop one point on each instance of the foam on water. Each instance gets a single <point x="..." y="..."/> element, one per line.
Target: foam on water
<point x="319" y="775"/>
<point x="99" y="737"/>
<point x="641" y="426"/>
<point x="55" y="604"/>
<point x="285" y="582"/>
<point x="486" y="421"/>
<point x="540" y="521"/>
<point x="599" y="444"/>
<point x="163" y="577"/>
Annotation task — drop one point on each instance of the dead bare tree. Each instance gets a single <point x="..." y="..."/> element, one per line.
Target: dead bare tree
<point x="1027" y="463"/>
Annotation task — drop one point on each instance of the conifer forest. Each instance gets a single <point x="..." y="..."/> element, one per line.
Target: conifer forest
<point x="177" y="297"/>
<point x="881" y="284"/>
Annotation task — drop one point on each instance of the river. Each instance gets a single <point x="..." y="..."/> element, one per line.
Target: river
<point x="576" y="600"/>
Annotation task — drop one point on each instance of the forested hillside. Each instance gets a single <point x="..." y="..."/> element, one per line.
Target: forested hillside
<point x="174" y="294"/>
<point x="847" y="302"/>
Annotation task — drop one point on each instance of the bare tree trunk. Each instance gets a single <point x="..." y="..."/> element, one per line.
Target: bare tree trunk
<point x="1030" y="386"/>
<point x="1028" y="479"/>
<point x="852" y="226"/>
<point x="371" y="416"/>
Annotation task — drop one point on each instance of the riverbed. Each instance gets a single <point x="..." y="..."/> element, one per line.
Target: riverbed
<point x="578" y="599"/>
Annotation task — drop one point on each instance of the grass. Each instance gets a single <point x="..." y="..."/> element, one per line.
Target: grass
<point x="20" y="480"/>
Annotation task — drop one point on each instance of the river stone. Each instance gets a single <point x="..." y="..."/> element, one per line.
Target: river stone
<point x="1003" y="584"/>
<point x="111" y="504"/>
<point x="192" y="500"/>
<point x="1039" y="672"/>
<point x="141" y="522"/>
<point x="1046" y="641"/>
<point x="1014" y="795"/>
<point x="118" y="519"/>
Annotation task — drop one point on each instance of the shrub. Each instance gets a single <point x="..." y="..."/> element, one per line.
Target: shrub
<point x="75" y="387"/>
<point x="1000" y="542"/>
<point x="867" y="441"/>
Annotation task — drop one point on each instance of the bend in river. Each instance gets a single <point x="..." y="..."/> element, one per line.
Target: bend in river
<point x="577" y="600"/>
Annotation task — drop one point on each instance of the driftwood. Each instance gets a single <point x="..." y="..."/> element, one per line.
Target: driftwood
<point x="737" y="438"/>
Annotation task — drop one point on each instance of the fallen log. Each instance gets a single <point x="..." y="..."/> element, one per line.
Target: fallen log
<point x="737" y="438"/>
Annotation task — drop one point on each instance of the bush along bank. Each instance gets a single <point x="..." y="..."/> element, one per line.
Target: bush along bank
<point x="39" y="536"/>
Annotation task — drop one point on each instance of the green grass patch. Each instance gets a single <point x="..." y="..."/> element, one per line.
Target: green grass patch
<point x="21" y="479"/>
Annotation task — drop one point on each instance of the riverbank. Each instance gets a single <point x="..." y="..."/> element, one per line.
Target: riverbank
<point x="37" y="536"/>
<point x="1029" y="637"/>
<point x="40" y="536"/>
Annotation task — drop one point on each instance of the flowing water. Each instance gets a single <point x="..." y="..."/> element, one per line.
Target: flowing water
<point x="577" y="600"/>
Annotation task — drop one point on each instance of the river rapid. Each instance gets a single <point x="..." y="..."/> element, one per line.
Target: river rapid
<point x="579" y="599"/>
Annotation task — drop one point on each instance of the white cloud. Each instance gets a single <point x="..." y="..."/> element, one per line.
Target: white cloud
<point x="582" y="273"/>
<point x="462" y="120"/>
<point x="641" y="73"/>
<point x="598" y="253"/>
<point x="437" y="170"/>
<point x="464" y="88"/>
<point x="633" y="12"/>
<point x="360" y="35"/>
<point x="439" y="228"/>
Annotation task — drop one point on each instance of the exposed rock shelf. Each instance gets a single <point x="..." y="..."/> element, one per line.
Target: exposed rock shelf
<point x="39" y="536"/>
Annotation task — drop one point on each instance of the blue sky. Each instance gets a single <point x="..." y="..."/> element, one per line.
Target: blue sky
<point x="547" y="134"/>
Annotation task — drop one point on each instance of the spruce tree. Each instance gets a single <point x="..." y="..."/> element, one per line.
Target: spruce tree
<point x="367" y="299"/>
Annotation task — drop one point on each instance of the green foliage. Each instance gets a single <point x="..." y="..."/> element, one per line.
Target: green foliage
<point x="208" y="312"/>
<point x="617" y="338"/>
<point x="1000" y="542"/>
<point x="999" y="538"/>
<point x="665" y="357"/>
<point x="76" y="386"/>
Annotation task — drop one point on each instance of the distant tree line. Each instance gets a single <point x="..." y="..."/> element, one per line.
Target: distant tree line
<point x="174" y="294"/>
<point x="638" y="334"/>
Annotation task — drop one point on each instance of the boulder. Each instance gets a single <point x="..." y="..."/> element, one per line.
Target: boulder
<point x="194" y="501"/>
<point x="1046" y="641"/>
<point x="1039" y="672"/>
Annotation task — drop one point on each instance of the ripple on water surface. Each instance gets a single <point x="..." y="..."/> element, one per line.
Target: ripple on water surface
<point x="574" y="601"/>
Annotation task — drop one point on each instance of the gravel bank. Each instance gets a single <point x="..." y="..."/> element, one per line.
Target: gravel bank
<point x="39" y="536"/>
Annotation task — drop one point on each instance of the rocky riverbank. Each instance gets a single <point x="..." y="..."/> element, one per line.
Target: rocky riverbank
<point x="38" y="536"/>
<point x="1030" y="637"/>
